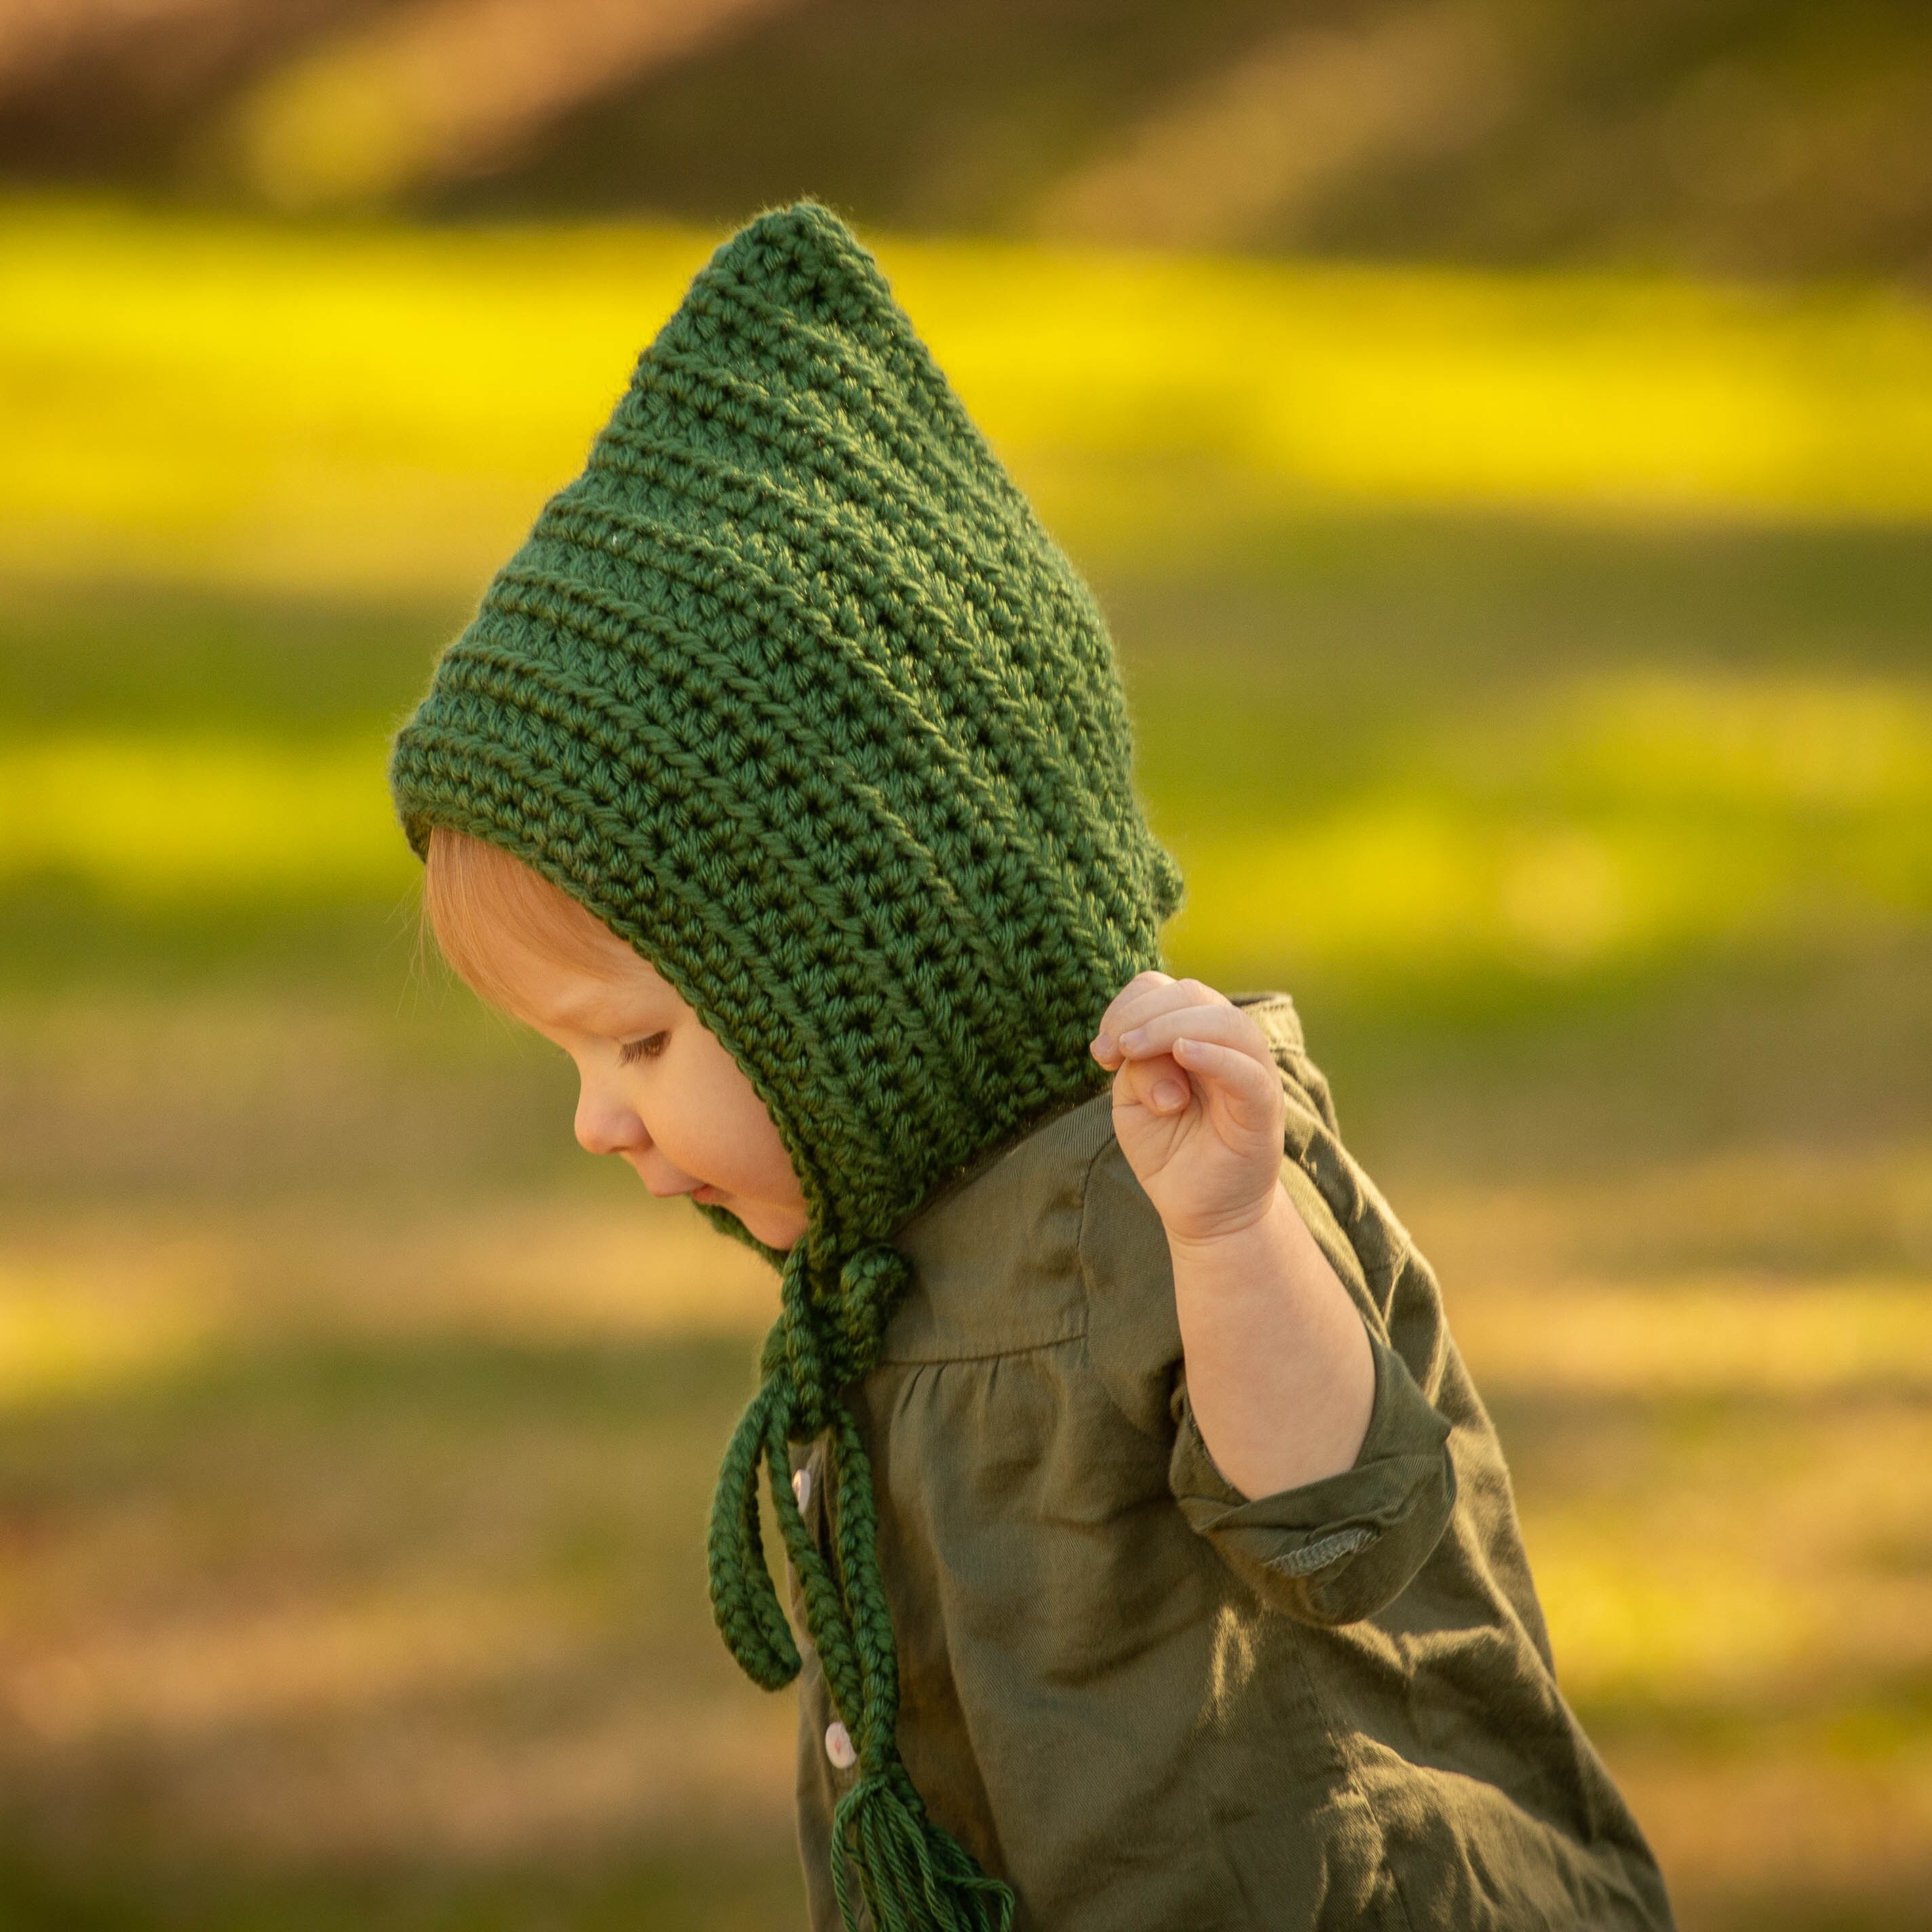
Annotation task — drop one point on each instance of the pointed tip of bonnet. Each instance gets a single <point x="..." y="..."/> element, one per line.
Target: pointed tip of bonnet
<point x="802" y="257"/>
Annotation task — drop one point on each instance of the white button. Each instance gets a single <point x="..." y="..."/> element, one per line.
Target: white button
<point x="839" y="1746"/>
<point x="801" y="1487"/>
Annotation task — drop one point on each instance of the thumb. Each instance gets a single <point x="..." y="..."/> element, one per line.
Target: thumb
<point x="1160" y="1085"/>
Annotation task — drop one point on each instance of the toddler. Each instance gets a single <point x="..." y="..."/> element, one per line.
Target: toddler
<point x="1152" y="1559"/>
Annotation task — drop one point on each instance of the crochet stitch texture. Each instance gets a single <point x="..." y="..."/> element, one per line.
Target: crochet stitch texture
<point x="792" y="691"/>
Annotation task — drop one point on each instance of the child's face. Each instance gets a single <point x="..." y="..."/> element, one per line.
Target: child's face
<point x="658" y="1088"/>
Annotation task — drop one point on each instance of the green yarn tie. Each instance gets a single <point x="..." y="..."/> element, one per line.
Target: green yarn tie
<point x="914" y="1875"/>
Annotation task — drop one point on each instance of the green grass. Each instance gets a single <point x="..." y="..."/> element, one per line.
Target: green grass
<point x="356" y="1432"/>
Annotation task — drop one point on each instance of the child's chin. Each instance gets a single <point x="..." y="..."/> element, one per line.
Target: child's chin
<point x="774" y="1226"/>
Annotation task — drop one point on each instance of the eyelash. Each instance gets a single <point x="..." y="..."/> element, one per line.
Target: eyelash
<point x="649" y="1047"/>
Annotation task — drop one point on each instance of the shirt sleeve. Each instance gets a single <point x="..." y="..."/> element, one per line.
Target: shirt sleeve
<point x="1340" y="1549"/>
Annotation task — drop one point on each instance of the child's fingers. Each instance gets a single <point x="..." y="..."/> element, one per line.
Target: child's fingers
<point x="1138" y="994"/>
<point x="1140" y="984"/>
<point x="1161" y="1086"/>
<point x="1226" y="1025"/>
<point x="1140" y="1000"/>
<point x="1250" y="1088"/>
<point x="1143" y="998"/>
<point x="1168" y="1083"/>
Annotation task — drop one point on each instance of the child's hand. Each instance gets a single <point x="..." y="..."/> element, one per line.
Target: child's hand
<point x="1198" y="1105"/>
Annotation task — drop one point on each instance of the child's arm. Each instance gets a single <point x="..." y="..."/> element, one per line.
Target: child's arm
<point x="1280" y="1372"/>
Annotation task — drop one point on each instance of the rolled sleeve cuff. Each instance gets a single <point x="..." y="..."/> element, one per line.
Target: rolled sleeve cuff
<point x="1337" y="1550"/>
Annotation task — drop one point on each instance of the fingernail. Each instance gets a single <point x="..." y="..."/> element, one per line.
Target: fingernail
<point x="1101" y="1046"/>
<point x="1169" y="1093"/>
<point x="1181" y="1048"/>
<point x="1133" y="1041"/>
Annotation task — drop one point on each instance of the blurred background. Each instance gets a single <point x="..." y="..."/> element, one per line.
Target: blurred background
<point x="1500" y="432"/>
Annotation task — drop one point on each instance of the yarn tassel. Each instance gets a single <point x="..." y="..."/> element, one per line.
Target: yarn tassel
<point x="914" y="1875"/>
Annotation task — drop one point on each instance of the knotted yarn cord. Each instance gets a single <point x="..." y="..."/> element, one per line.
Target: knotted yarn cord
<point x="914" y="1875"/>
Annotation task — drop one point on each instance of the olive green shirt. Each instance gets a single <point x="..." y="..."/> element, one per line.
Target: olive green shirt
<point x="1149" y="1703"/>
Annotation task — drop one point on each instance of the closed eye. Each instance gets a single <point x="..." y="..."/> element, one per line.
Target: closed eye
<point x="649" y="1047"/>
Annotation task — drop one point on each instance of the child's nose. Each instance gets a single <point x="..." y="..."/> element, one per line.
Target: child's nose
<point x="605" y="1124"/>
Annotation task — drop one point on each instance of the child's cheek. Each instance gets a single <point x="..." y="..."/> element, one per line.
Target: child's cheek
<point x="722" y="1133"/>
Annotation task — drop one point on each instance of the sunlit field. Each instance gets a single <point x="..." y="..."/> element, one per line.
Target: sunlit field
<point x="1534" y="674"/>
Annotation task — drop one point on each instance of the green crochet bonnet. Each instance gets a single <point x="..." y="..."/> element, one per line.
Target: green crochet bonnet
<point x="791" y="690"/>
